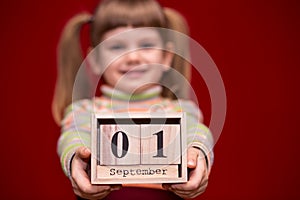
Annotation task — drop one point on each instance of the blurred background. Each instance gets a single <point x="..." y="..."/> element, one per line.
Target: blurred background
<point x="255" y="45"/>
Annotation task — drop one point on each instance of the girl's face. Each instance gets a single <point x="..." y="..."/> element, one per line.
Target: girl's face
<point x="134" y="58"/>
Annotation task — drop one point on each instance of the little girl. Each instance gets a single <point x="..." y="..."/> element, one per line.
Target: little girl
<point x="131" y="83"/>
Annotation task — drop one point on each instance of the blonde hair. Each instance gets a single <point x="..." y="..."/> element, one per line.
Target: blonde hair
<point x="109" y="15"/>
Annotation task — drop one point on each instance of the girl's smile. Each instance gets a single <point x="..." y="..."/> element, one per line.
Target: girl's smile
<point x="136" y="72"/>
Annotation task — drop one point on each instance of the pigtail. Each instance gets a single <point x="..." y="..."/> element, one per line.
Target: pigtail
<point x="179" y="86"/>
<point x="69" y="59"/>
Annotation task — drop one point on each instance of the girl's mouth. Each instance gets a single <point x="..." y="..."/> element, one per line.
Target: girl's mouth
<point x="133" y="73"/>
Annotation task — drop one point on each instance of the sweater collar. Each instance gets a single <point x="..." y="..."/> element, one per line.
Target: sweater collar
<point x="148" y="94"/>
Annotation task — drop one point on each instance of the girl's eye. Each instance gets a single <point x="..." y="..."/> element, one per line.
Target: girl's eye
<point x="116" y="47"/>
<point x="147" y="45"/>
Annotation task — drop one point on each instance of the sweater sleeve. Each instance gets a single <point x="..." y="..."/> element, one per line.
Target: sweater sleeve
<point x="198" y="135"/>
<point x="74" y="132"/>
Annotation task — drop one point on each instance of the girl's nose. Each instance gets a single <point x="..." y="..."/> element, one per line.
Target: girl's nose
<point x="133" y="57"/>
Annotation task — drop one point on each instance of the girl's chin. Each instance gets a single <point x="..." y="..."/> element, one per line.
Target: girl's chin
<point x="132" y="89"/>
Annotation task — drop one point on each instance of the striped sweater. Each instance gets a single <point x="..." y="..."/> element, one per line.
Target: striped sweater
<point x="76" y="122"/>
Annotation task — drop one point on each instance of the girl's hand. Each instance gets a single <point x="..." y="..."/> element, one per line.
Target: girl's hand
<point x="81" y="181"/>
<point x="198" y="176"/>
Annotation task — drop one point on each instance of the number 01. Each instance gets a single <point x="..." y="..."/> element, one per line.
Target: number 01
<point x="125" y="144"/>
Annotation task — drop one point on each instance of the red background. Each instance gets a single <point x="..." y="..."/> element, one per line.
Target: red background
<point x="255" y="45"/>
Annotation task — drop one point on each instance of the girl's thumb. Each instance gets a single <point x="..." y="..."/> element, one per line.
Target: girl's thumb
<point x="84" y="152"/>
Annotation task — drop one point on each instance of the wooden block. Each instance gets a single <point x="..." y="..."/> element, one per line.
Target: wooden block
<point x="120" y="144"/>
<point x="142" y="173"/>
<point x="160" y="144"/>
<point x="138" y="148"/>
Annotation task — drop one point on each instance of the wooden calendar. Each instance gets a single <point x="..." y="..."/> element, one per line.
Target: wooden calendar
<point x="138" y="148"/>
